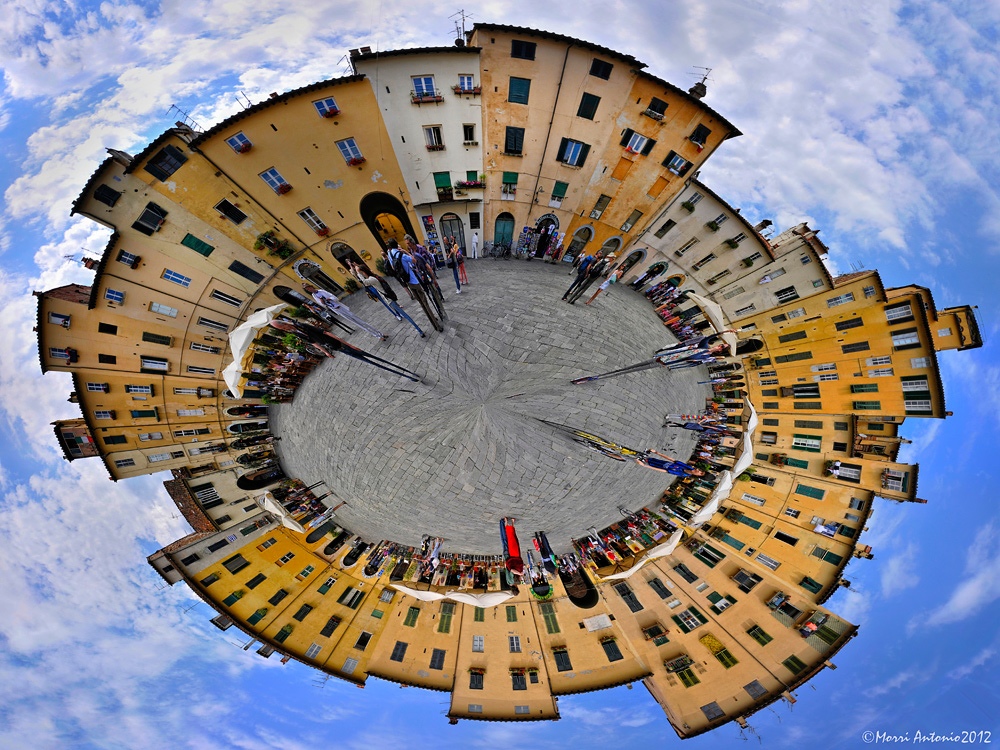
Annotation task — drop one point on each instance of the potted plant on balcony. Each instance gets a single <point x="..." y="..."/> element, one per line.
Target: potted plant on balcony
<point x="244" y="147"/>
<point x="323" y="231"/>
<point x="266" y="239"/>
<point x="283" y="188"/>
<point x="283" y="250"/>
<point x="355" y="161"/>
<point x="732" y="243"/>
<point x="748" y="262"/>
<point x="712" y="225"/>
<point x="688" y="206"/>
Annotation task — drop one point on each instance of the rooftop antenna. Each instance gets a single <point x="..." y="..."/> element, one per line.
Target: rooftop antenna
<point x="700" y="89"/>
<point x="240" y="101"/>
<point x="185" y="117"/>
<point x="460" y="26"/>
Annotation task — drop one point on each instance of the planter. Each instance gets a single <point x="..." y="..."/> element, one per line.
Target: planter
<point x="244" y="147"/>
<point x="283" y="188"/>
<point x="654" y="115"/>
<point x="747" y="263"/>
<point x="323" y="231"/>
<point x="475" y="91"/>
<point x="439" y="147"/>
<point x="331" y="113"/>
<point x="712" y="225"/>
<point x="467" y="184"/>
<point x="355" y="161"/>
<point x="732" y="243"/>
<point x="688" y="206"/>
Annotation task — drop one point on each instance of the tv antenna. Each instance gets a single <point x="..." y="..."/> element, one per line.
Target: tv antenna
<point x="185" y="117"/>
<point x="240" y="101"/>
<point x="705" y="75"/>
<point x="460" y="23"/>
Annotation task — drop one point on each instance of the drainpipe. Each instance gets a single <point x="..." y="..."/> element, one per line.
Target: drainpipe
<point x="548" y="134"/>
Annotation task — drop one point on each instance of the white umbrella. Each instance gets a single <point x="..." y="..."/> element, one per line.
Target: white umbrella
<point x="232" y="375"/>
<point x="661" y="550"/>
<point x="424" y="596"/>
<point x="489" y="599"/>
<point x="716" y="317"/>
<point x="708" y="509"/>
<point x="242" y="337"/>
<point x="272" y="506"/>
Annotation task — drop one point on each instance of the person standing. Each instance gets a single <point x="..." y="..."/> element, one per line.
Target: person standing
<point x="513" y="561"/>
<point x="374" y="292"/>
<point x="462" y="275"/>
<point x="595" y="271"/>
<point x="409" y="271"/>
<point x="334" y="305"/>
<point x="612" y="279"/>
<point x="581" y="273"/>
<point x="475" y="244"/>
<point x="451" y="261"/>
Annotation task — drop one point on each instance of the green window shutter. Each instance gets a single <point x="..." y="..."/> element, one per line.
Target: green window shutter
<point x="511" y="613"/>
<point x="786" y="338"/>
<point x="202" y="248"/>
<point x="701" y="618"/>
<point x="155" y="338"/>
<point x="680" y="623"/>
<point x="472" y="176"/>
<point x="864" y="388"/>
<point x="810" y="585"/>
<point x="759" y="635"/>
<point x="808" y="405"/>
<point x="411" y="617"/>
<point x="809" y="424"/>
<point x="833" y="559"/>
<point x="813" y="492"/>
<point x="715" y="597"/>
<point x="510" y="178"/>
<point x="732" y="542"/>
<point x="479" y="614"/>
<point x="447" y="612"/>
<point x="548" y="611"/>
<point x="519" y="90"/>
<point x="115" y="439"/>
<point x="688" y="678"/>
<point x="559" y="189"/>
<point x="797" y="463"/>
<point x="867" y="405"/>
<point x="792" y="357"/>
<point x="747" y="521"/>
<point x="794" y="664"/>
<point x="442" y="179"/>
<point x="588" y="106"/>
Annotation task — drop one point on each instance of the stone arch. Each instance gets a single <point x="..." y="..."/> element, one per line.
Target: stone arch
<point x="631" y="260"/>
<point x="311" y="271"/>
<point x="581" y="237"/>
<point x="503" y="229"/>
<point x="546" y="229"/>
<point x="376" y="205"/>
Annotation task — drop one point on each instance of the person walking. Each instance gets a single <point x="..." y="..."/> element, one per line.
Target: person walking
<point x="594" y="272"/>
<point x="462" y="275"/>
<point x="451" y="261"/>
<point x="330" y="345"/>
<point x="581" y="274"/>
<point x="513" y="562"/>
<point x="334" y="305"/>
<point x="475" y="245"/>
<point x="612" y="279"/>
<point x="409" y="270"/>
<point x="374" y="292"/>
<point x="427" y="269"/>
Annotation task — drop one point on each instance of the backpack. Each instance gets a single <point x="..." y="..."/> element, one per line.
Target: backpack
<point x="396" y="266"/>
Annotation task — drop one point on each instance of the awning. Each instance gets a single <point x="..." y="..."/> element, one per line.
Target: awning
<point x="661" y="550"/>
<point x="716" y="317"/>
<point x="489" y="599"/>
<point x="232" y="375"/>
<point x="424" y="596"/>
<point x="272" y="506"/>
<point x="241" y="340"/>
<point x="726" y="478"/>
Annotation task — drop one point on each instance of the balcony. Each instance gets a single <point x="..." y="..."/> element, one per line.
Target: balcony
<point x="474" y="91"/>
<point x="283" y="188"/>
<point x="470" y="184"/>
<point x="653" y="114"/>
<point x="679" y="664"/>
<point x="355" y="161"/>
<point x="331" y="113"/>
<point x="426" y="97"/>
<point x="435" y="147"/>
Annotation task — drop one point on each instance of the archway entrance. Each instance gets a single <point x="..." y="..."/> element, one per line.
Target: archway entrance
<point x="676" y="280"/>
<point x="503" y="229"/>
<point x="633" y="257"/>
<point x="452" y="226"/>
<point x="611" y="246"/>
<point x="344" y="252"/>
<point x="545" y="230"/>
<point x="385" y="217"/>
<point x="313" y="273"/>
<point x="581" y="237"/>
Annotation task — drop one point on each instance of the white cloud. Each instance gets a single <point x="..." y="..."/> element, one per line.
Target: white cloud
<point x="898" y="572"/>
<point x="980" y="659"/>
<point x="979" y="588"/>
<point x="908" y="678"/>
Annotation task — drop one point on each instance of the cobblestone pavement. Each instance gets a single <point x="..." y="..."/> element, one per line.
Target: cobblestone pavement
<point x="449" y="457"/>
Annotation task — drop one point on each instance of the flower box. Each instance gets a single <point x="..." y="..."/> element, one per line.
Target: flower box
<point x="323" y="231"/>
<point x="425" y="98"/>
<point x="475" y="90"/>
<point x="712" y="225"/>
<point x="283" y="188"/>
<point x="331" y="113"/>
<point x="244" y="147"/>
<point x="732" y="243"/>
<point x="355" y="161"/>
<point x="652" y="114"/>
<point x="134" y="264"/>
<point x="748" y="262"/>
<point x="470" y="184"/>
<point x="688" y="206"/>
<point x="437" y="147"/>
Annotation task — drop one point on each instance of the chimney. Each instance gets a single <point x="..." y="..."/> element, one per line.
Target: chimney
<point x="699" y="90"/>
<point x="90" y="263"/>
<point x="763" y="225"/>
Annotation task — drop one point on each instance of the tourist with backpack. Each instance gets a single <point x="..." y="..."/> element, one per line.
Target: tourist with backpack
<point x="403" y="264"/>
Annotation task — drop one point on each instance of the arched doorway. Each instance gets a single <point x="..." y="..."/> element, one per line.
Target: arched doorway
<point x="633" y="257"/>
<point x="581" y="237"/>
<point x="503" y="229"/>
<point x="239" y="427"/>
<point x="344" y="252"/>
<point x="452" y="226"/>
<point x="676" y="280"/>
<point x="311" y="271"/>
<point x="385" y="217"/>
<point x="546" y="229"/>
<point x="611" y="245"/>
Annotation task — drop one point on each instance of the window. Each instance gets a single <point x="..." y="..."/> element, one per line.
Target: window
<point x="518" y="90"/>
<point x="665" y="227"/>
<point x="437" y="656"/>
<point x="124" y="463"/>
<point x="411" y="617"/>
<point x="753" y="499"/>
<point x="944" y="332"/>
<point x="478" y="645"/>
<point x="745" y="310"/>
<point x="522" y="50"/>
<point x="193" y="433"/>
<point x="514" y="643"/>
<point x="628" y="596"/>
<point x="514" y="141"/>
<point x="113" y="295"/>
<point x="631" y="220"/>
<point x="330" y="626"/>
<point x="786" y="538"/>
<point x="230" y="211"/>
<point x="476" y="680"/>
<point x="601" y="69"/>
<point x="469" y="133"/>
<point x="684" y="572"/>
<point x="709" y="555"/>
<point x="917" y="405"/>
<point x="175" y="277"/>
<point x="349" y="666"/>
<point x="433" y="138"/>
<point x="869" y="291"/>
<point x="246" y="272"/>
<point x="920" y="363"/>
<point x="787" y="294"/>
<point x="791" y="512"/>
<point x="573" y="153"/>
<point x="274" y="180"/>
<point x="150" y="220"/>
<point x="350" y="151"/>
<point x="115" y="440"/>
<point x="588" y="106"/>
<point x="156" y="458"/>
<point x="107" y="328"/>
<point x="235" y="564"/>
<point x="880" y="372"/>
<point x="700" y="136"/>
<point x="362" y="643"/>
<point x="518" y="682"/>
<point x="841" y="299"/>
<point x="676" y="164"/>
<point x="611" y="650"/>
<point x="313" y="651"/>
<point x="789" y="337"/>
<point x="166" y="161"/>
<point x="475" y="708"/>
<point x="466" y="82"/>
<point x="687" y="677"/>
<point x="155" y="338"/>
<point x="106" y="195"/>
<point x="656" y="109"/>
<point x="686" y="246"/>
<point x="906" y="339"/>
<point x="794" y="664"/>
<point x="478" y="614"/>
<point x="205" y="348"/>
<point x="689" y="619"/>
<point x="202" y="248"/>
<point x="128" y="259"/>
<point x="213" y="324"/>
<point x="146" y="437"/>
<point x="326" y="107"/>
<point x="511" y="613"/>
<point x="726" y="659"/>
<point x="798" y="312"/>
<point x="768" y="562"/>
<point x="304" y="610"/>
<point x="807" y="491"/>
<point x="558" y="194"/>
<point x="239" y="143"/>
<point x="195" y="370"/>
<point x="636" y="143"/>
<point x="867" y="405"/>
<point x="351" y="597"/>
<point x="398" y="651"/>
<point x="899" y="313"/>
<point x="809" y="443"/>
<point x="156" y="364"/>
<point x="600" y="206"/>
<point x="810" y="585"/>
<point x="858" y="346"/>
<point x="548" y="612"/>
<point x="444" y="621"/>
<point x="703" y="262"/>
<point x="758" y="634"/>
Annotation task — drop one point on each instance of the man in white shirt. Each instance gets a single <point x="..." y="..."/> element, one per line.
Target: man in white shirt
<point x="334" y="305"/>
<point x="475" y="244"/>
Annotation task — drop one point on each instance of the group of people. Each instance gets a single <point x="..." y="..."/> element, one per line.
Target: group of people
<point x="589" y="269"/>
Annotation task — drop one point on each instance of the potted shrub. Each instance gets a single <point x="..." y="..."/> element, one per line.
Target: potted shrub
<point x="355" y="161"/>
<point x="266" y="239"/>
<point x="323" y="231"/>
<point x="712" y="225"/>
<point x="732" y="243"/>
<point x="330" y="113"/>
<point x="244" y="147"/>
<point x="351" y="286"/>
<point x="688" y="206"/>
<point x="284" y="188"/>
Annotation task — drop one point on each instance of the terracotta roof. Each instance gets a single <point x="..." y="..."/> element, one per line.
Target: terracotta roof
<point x="153" y="145"/>
<point x="188" y="506"/>
<point x="415" y="51"/>
<point x="743" y="220"/>
<point x="736" y="132"/>
<point x="99" y="271"/>
<point x="91" y="181"/>
<point x="524" y="30"/>
<point x="280" y="99"/>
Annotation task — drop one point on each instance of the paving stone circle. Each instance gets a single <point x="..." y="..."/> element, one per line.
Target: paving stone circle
<point x="452" y="455"/>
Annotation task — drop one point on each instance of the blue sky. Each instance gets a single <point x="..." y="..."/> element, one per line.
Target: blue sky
<point x="874" y="122"/>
